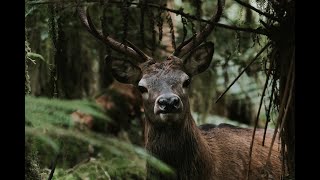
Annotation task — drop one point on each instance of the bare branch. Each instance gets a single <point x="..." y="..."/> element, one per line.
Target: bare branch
<point x="257" y="118"/>
<point x="204" y="33"/>
<point x="178" y="12"/>
<point x="284" y="105"/>
<point x="287" y="105"/>
<point x="257" y="10"/>
<point x="254" y="59"/>
<point x="250" y="30"/>
<point x="53" y="165"/>
<point x="269" y="110"/>
<point x="115" y="45"/>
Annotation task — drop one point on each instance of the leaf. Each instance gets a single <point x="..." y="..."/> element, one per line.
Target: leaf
<point x="29" y="11"/>
<point x="32" y="56"/>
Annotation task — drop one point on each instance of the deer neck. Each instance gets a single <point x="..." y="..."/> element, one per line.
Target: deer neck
<point x="182" y="148"/>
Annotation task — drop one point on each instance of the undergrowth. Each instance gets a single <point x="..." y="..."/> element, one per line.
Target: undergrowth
<point x="79" y="154"/>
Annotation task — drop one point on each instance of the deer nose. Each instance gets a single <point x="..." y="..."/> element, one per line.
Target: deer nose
<point x="169" y="103"/>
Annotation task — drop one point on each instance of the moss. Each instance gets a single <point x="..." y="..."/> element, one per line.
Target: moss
<point x="81" y="160"/>
<point x="102" y="169"/>
<point x="75" y="151"/>
<point x="83" y="154"/>
<point x="31" y="166"/>
<point x="71" y="149"/>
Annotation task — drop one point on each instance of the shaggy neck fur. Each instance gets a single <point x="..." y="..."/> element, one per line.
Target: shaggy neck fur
<point x="182" y="148"/>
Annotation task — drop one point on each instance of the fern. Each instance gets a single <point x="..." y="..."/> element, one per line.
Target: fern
<point x="42" y="110"/>
<point x="49" y="126"/>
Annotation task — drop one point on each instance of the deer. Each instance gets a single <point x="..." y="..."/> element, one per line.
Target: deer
<point x="171" y="134"/>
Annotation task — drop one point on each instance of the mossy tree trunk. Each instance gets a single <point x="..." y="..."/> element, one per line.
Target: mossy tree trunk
<point x="73" y="68"/>
<point x="31" y="166"/>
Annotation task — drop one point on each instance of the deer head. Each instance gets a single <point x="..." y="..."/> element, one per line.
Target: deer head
<point x="163" y="84"/>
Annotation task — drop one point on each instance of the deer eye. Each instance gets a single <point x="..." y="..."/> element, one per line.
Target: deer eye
<point x="186" y="83"/>
<point x="142" y="89"/>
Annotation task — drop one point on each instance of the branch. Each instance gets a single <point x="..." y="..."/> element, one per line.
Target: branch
<point x="284" y="103"/>
<point x="257" y="118"/>
<point x="268" y="111"/>
<point x="178" y="12"/>
<point x="53" y="165"/>
<point x="254" y="59"/>
<point x="287" y="106"/>
<point x="257" y="10"/>
<point x="250" y="30"/>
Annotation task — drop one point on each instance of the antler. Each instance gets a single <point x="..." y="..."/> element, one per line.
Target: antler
<point x="197" y="39"/>
<point x="132" y="51"/>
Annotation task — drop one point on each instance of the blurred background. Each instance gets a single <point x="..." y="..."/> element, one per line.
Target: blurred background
<point x="83" y="124"/>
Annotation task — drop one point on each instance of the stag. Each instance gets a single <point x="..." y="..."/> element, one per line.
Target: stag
<point x="171" y="135"/>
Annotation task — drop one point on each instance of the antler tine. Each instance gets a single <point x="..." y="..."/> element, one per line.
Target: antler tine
<point x="192" y="42"/>
<point x="132" y="51"/>
<point x="178" y="49"/>
<point x="141" y="53"/>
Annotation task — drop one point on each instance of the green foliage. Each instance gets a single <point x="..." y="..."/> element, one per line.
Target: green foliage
<point x="49" y="122"/>
<point x="102" y="169"/>
<point x="32" y="56"/>
<point x="42" y="110"/>
<point x="170" y="23"/>
<point x="50" y="132"/>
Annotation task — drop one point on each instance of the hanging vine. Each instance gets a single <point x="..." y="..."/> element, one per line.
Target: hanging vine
<point x="197" y="4"/>
<point x="153" y="31"/>
<point x="125" y="16"/>
<point x="193" y="29"/>
<point x="160" y="23"/>
<point x="238" y="38"/>
<point x="143" y="5"/>
<point x="170" y="23"/>
<point x="53" y="36"/>
<point x="184" y="27"/>
<point x="104" y="25"/>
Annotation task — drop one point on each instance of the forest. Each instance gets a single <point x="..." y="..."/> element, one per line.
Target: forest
<point x="82" y="122"/>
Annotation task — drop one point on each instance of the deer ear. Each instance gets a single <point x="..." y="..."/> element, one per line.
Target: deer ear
<point x="199" y="59"/>
<point x="125" y="71"/>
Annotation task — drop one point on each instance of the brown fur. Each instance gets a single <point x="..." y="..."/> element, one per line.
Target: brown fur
<point x="219" y="153"/>
<point x="208" y="153"/>
<point x="153" y="67"/>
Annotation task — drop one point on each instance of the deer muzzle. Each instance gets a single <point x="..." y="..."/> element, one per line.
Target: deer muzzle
<point x="167" y="104"/>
